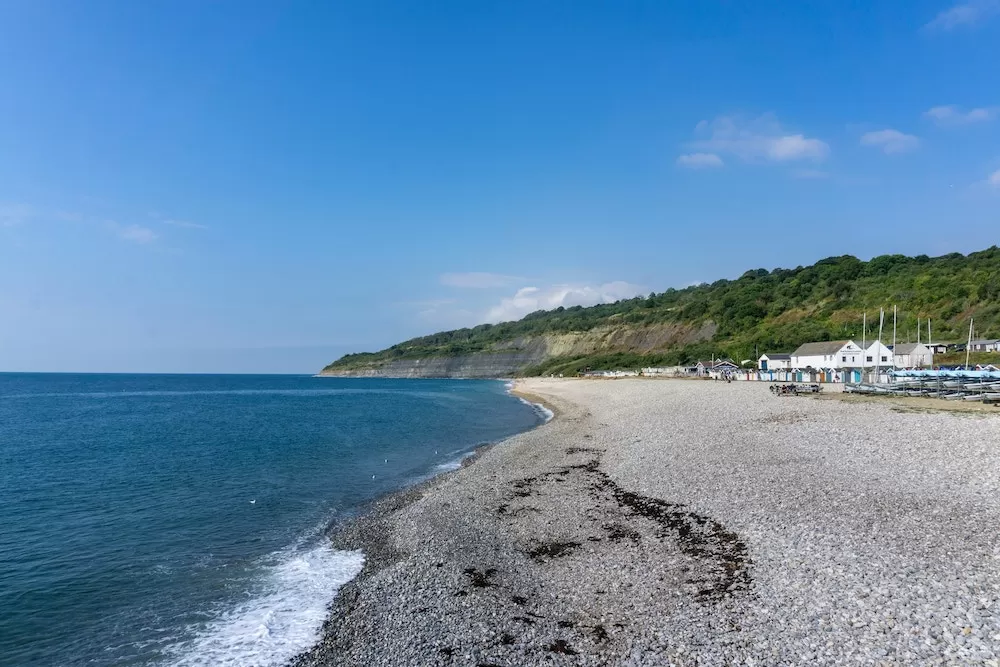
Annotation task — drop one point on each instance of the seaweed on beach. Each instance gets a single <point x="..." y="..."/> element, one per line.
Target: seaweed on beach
<point x="600" y="633"/>
<point x="700" y="537"/>
<point x="618" y="532"/>
<point x="524" y="487"/>
<point x="553" y="550"/>
<point x="561" y="646"/>
<point x="480" y="579"/>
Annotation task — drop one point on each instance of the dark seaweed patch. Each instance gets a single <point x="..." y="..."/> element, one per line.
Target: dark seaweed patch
<point x="600" y="634"/>
<point x="553" y="550"/>
<point x="561" y="646"/>
<point x="618" y="532"/>
<point x="480" y="579"/>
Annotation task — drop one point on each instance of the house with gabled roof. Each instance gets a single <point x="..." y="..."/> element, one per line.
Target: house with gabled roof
<point x="828" y="354"/>
<point x="706" y="367"/>
<point x="775" y="361"/>
<point x="878" y="355"/>
<point x="912" y="355"/>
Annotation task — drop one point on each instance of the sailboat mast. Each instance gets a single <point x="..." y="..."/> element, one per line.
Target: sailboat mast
<point x="894" y="336"/>
<point x="878" y="346"/>
<point x="968" y="347"/>
<point x="864" y="349"/>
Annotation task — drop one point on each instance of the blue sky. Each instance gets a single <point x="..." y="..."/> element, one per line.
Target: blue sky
<point x="261" y="187"/>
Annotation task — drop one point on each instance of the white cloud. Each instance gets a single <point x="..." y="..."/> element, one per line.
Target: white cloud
<point x="964" y="14"/>
<point x="15" y="214"/>
<point x="950" y="114"/>
<point x="479" y="280"/>
<point x="137" y="234"/>
<point x="994" y="179"/>
<point x="890" y="141"/>
<point x="700" y="161"/>
<point x="813" y="174"/>
<point x="185" y="224"/>
<point x="760" y="139"/>
<point x="529" y="299"/>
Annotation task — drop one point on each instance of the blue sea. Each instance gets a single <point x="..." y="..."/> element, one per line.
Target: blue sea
<point x="180" y="520"/>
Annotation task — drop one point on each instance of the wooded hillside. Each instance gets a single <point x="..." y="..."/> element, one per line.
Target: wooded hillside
<point x="765" y="311"/>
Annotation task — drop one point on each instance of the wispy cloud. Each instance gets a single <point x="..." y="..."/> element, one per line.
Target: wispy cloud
<point x="479" y="280"/>
<point x="134" y="233"/>
<point x="700" y="161"/>
<point x="184" y="223"/>
<point x="964" y="14"/>
<point x="15" y="214"/>
<point x="890" y="141"/>
<point x="950" y="114"/>
<point x="756" y="140"/>
<point x="529" y="299"/>
<point x="994" y="179"/>
<point x="810" y="174"/>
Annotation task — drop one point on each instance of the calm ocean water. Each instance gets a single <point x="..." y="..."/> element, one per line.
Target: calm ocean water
<point x="178" y="520"/>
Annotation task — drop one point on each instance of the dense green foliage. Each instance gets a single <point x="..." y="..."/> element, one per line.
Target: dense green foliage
<point x="761" y="311"/>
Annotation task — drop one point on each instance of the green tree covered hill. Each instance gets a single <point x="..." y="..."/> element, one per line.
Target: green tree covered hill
<point x="765" y="311"/>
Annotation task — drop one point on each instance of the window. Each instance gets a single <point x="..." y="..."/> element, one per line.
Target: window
<point x="885" y="358"/>
<point x="844" y="358"/>
<point x="869" y="358"/>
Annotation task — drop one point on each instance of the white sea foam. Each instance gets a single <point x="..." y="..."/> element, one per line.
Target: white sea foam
<point x="285" y="620"/>
<point x="540" y="409"/>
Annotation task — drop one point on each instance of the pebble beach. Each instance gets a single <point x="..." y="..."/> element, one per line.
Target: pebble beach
<point x="657" y="522"/>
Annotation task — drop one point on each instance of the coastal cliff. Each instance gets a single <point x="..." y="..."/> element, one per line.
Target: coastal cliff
<point x="514" y="357"/>
<point x="761" y="311"/>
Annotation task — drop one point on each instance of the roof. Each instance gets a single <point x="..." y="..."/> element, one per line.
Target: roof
<point x="709" y="363"/>
<point x="984" y="341"/>
<point x="906" y="348"/>
<point x="777" y="356"/>
<point x="826" y="347"/>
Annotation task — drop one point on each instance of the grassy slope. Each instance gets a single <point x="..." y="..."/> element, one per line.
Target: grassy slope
<point x="762" y="310"/>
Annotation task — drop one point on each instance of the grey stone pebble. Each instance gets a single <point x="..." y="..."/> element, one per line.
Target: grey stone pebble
<point x="689" y="523"/>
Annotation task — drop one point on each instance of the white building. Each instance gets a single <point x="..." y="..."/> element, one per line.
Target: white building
<point x="775" y="362"/>
<point x="828" y="354"/>
<point x="986" y="345"/>
<point x="878" y="354"/>
<point x="708" y="367"/>
<point x="912" y="355"/>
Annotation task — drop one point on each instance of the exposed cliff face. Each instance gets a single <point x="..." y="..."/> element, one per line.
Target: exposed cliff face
<point x="508" y="358"/>
<point x="467" y="366"/>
